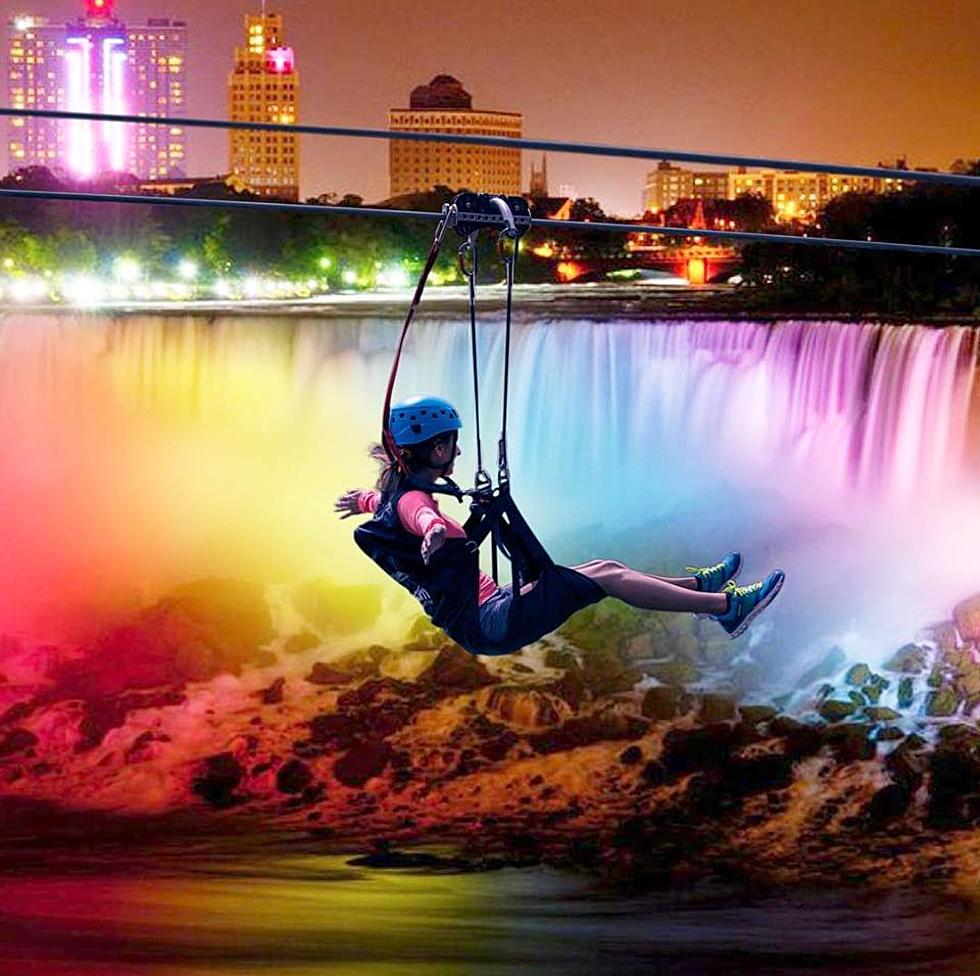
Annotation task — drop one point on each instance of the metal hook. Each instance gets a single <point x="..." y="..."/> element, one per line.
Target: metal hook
<point x="504" y="207"/>
<point x="468" y="247"/>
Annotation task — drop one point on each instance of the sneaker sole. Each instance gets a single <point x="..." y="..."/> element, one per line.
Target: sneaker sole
<point x="758" y="608"/>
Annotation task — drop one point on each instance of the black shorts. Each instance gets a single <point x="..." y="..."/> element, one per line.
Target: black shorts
<point x="503" y="624"/>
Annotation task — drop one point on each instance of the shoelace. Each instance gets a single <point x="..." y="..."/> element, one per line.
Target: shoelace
<point x="735" y="590"/>
<point x="706" y="570"/>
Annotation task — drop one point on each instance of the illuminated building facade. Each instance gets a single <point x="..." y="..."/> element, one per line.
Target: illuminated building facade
<point x="97" y="64"/>
<point x="444" y="106"/>
<point x="264" y="87"/>
<point x="793" y="195"/>
<point x="158" y="73"/>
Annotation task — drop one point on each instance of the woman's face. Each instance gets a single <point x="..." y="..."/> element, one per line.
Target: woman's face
<point x="445" y="452"/>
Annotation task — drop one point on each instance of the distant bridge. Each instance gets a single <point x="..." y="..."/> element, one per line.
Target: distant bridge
<point x="698" y="263"/>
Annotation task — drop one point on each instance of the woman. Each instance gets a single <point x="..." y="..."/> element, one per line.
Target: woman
<point x="409" y="529"/>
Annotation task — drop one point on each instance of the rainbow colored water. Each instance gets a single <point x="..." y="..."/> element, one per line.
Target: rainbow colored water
<point x="142" y="451"/>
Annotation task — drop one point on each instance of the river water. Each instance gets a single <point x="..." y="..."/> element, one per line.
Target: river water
<point x="180" y="908"/>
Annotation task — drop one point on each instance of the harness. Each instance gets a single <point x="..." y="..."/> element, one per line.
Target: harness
<point x="447" y="586"/>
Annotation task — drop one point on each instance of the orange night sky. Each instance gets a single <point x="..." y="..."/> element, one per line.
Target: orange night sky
<point x="836" y="80"/>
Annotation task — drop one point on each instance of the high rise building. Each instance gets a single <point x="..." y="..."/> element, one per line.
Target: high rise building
<point x="264" y="87"/>
<point x="444" y="106"/>
<point x="97" y="64"/>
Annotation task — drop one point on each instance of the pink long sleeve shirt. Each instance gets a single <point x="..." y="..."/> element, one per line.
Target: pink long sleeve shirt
<point x="418" y="512"/>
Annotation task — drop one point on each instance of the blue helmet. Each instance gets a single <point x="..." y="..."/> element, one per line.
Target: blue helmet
<point x="418" y="418"/>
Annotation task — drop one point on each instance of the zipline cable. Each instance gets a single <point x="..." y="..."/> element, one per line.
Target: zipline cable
<point x="326" y="210"/>
<point x="584" y="148"/>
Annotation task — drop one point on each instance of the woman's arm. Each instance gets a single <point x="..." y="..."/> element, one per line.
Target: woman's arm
<point x="418" y="515"/>
<point x="357" y="502"/>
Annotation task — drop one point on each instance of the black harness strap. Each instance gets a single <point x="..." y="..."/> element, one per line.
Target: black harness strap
<point x="492" y="511"/>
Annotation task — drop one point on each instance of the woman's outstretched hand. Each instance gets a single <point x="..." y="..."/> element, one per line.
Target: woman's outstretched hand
<point x="347" y="503"/>
<point x="432" y="541"/>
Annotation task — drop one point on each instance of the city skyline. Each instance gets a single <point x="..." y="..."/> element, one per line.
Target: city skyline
<point x="834" y="83"/>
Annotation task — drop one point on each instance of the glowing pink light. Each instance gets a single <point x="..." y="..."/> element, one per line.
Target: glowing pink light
<point x="113" y="133"/>
<point x="80" y="144"/>
<point x="280" y="60"/>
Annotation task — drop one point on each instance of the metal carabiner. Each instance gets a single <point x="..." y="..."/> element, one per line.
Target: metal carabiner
<point x="448" y="220"/>
<point x="509" y="231"/>
<point x="468" y="247"/>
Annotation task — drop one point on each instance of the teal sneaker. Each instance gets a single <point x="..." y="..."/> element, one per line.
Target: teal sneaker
<point x="744" y="602"/>
<point x="712" y="579"/>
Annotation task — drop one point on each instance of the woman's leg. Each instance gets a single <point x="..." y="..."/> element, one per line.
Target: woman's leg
<point x="650" y="592"/>
<point x="688" y="582"/>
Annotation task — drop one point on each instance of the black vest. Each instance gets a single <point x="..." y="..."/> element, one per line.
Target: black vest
<point x="447" y="587"/>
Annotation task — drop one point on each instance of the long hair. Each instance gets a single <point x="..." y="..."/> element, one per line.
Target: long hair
<point x="391" y="476"/>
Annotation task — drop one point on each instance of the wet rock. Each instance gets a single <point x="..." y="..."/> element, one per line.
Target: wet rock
<point x="881" y="713"/>
<point x="361" y="762"/>
<point x="935" y="679"/>
<point x="221" y="776"/>
<point x="324" y="674"/>
<point x="872" y="694"/>
<point x="858" y="674"/>
<point x="850" y="743"/>
<point x="959" y="737"/>
<point x="332" y="608"/>
<point x="673" y="672"/>
<point x="524" y="706"/>
<point x="362" y="663"/>
<point x="716" y="708"/>
<point x="608" y="625"/>
<point x="908" y="763"/>
<point x="606" y="673"/>
<point x="754" y="714"/>
<point x="826" y="667"/>
<point x="888" y="804"/>
<point x="908" y="659"/>
<point x="631" y="755"/>
<point x="570" y="688"/>
<point x="889" y="734"/>
<point x="799" y="738"/>
<point x="98" y="719"/>
<point x="906" y="693"/>
<point x="453" y="668"/>
<point x="954" y="779"/>
<point x="298" y="643"/>
<point x="966" y="616"/>
<point x="685" y="750"/>
<point x="942" y="702"/>
<point x="17" y="740"/>
<point x="293" y="777"/>
<point x="662" y="703"/>
<point x="584" y="730"/>
<point x="273" y="694"/>
<point x="561" y="658"/>
<point x="835" y="710"/>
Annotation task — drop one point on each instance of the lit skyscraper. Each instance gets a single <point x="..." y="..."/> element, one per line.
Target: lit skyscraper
<point x="97" y="64"/>
<point x="444" y="105"/>
<point x="264" y="87"/>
